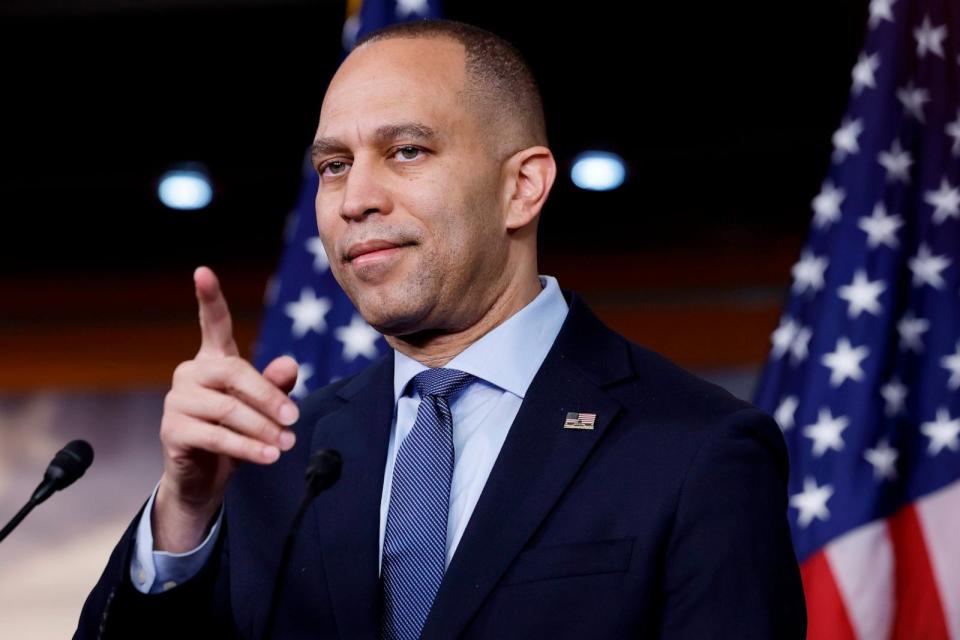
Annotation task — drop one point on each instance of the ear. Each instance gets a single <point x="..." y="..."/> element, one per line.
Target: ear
<point x="529" y="176"/>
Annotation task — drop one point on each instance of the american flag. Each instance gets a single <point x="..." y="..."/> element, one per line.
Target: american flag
<point x="307" y="315"/>
<point x="864" y="372"/>
<point x="575" y="420"/>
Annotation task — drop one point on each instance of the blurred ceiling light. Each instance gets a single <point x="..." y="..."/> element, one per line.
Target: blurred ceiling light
<point x="598" y="171"/>
<point x="185" y="189"/>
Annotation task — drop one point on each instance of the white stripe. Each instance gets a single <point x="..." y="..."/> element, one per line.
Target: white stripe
<point x="939" y="515"/>
<point x="862" y="565"/>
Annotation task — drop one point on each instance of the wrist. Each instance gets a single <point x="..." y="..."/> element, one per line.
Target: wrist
<point x="180" y="525"/>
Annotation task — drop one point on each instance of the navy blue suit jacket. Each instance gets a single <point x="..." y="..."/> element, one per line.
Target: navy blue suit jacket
<point x="667" y="520"/>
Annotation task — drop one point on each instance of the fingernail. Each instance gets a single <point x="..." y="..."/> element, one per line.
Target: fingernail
<point x="271" y="453"/>
<point x="289" y="414"/>
<point x="287" y="440"/>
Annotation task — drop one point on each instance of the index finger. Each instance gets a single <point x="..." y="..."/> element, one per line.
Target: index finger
<point x="216" y="325"/>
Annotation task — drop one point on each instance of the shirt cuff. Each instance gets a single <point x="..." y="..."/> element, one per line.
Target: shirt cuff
<point x="157" y="571"/>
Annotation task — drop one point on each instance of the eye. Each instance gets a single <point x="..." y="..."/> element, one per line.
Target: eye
<point x="336" y="167"/>
<point x="408" y="152"/>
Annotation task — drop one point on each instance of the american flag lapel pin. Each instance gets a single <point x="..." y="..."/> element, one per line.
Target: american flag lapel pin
<point x="577" y="420"/>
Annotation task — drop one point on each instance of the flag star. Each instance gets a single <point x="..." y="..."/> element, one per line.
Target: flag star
<point x="808" y="272"/>
<point x="826" y="432"/>
<point x="945" y="201"/>
<point x="943" y="432"/>
<point x="883" y="459"/>
<point x="894" y="396"/>
<point x="911" y="330"/>
<point x="880" y="10"/>
<point x="826" y="205"/>
<point x="320" y="261"/>
<point x="913" y="98"/>
<point x="308" y="313"/>
<point x="881" y="228"/>
<point x="845" y="139"/>
<point x="414" y="7"/>
<point x="926" y="268"/>
<point x="304" y="373"/>
<point x="811" y="502"/>
<point x="863" y="72"/>
<point x="784" y="415"/>
<point x="929" y="38"/>
<point x="845" y="362"/>
<point x="799" y="348"/>
<point x="782" y="337"/>
<point x="358" y="338"/>
<point x="953" y="130"/>
<point x="952" y="364"/>
<point x="862" y="295"/>
<point x="897" y="162"/>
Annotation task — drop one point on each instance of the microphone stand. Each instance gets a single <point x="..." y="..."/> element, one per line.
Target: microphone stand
<point x="68" y="465"/>
<point x="27" y="508"/>
<point x="322" y="472"/>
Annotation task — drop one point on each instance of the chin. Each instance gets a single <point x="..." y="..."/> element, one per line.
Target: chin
<point x="392" y="317"/>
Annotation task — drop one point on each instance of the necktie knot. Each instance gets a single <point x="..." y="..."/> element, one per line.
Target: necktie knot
<point x="441" y="383"/>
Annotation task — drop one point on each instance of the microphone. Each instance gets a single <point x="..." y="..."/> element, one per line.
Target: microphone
<point x="68" y="465"/>
<point x="323" y="471"/>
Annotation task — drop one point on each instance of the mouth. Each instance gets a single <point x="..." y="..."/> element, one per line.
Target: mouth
<point x="372" y="250"/>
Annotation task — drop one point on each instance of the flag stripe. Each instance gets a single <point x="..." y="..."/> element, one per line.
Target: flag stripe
<point x="918" y="612"/>
<point x="826" y="614"/>
<point x="939" y="515"/>
<point x="862" y="563"/>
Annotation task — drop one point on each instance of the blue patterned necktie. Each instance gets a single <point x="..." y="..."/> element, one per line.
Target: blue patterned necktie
<point x="415" y="539"/>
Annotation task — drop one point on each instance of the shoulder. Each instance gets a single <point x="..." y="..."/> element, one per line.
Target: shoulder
<point x="634" y="375"/>
<point x="334" y="395"/>
<point x="663" y="406"/>
<point x="682" y="412"/>
<point x="666" y="389"/>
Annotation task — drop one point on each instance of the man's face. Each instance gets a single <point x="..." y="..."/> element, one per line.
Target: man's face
<point x="403" y="164"/>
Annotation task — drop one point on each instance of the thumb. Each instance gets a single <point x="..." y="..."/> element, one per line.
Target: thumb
<point x="282" y="372"/>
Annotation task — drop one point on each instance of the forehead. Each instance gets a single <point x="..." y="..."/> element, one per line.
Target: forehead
<point x="394" y="80"/>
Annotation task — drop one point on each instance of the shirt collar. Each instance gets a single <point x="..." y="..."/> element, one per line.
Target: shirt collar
<point x="509" y="355"/>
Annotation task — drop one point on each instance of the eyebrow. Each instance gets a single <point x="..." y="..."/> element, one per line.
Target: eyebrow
<point x="381" y="135"/>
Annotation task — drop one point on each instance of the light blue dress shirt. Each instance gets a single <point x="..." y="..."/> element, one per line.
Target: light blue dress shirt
<point x="504" y="361"/>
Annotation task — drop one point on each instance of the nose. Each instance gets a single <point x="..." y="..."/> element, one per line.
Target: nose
<point x="364" y="192"/>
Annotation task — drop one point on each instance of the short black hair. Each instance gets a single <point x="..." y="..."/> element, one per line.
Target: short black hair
<point x="500" y="82"/>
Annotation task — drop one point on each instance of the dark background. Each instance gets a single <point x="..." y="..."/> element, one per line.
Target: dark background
<point x="723" y="113"/>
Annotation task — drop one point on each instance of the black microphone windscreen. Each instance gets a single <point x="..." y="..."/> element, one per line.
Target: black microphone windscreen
<point x="323" y="470"/>
<point x="70" y="463"/>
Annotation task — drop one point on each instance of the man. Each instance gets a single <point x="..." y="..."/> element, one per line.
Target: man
<point x="512" y="469"/>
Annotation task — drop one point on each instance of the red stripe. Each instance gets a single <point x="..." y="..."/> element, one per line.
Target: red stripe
<point x="919" y="612"/>
<point x="826" y="616"/>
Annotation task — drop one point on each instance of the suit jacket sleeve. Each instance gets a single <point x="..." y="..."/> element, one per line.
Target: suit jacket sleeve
<point x="198" y="608"/>
<point x="730" y="567"/>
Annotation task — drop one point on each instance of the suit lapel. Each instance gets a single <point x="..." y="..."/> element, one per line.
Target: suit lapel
<point x="348" y="513"/>
<point x="538" y="460"/>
